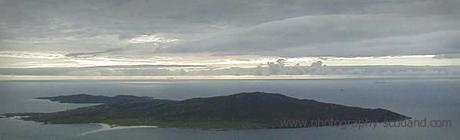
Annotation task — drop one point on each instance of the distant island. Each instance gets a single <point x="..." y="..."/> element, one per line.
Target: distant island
<point x="94" y="99"/>
<point x="250" y="110"/>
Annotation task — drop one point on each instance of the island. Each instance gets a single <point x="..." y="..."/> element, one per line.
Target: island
<point x="93" y="99"/>
<point x="248" y="110"/>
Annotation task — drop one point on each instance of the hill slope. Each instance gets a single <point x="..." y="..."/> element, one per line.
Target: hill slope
<point x="242" y="110"/>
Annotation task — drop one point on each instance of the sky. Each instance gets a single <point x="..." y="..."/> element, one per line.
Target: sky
<point x="223" y="34"/>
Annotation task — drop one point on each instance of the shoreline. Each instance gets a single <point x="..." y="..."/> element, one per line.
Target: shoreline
<point x="108" y="127"/>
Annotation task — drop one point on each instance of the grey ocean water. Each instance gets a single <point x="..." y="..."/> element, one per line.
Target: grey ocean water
<point x="434" y="99"/>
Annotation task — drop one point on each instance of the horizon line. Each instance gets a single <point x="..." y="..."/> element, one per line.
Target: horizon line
<point x="219" y="77"/>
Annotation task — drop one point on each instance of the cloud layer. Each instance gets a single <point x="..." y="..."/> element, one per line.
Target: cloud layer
<point x="296" y="28"/>
<point x="337" y="35"/>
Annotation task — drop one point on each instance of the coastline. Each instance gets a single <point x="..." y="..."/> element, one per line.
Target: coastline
<point x="107" y="127"/>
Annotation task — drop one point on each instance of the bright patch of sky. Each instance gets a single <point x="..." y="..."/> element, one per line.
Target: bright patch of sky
<point x="18" y="59"/>
<point x="156" y="39"/>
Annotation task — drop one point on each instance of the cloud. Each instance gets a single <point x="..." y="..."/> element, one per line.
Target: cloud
<point x="33" y="55"/>
<point x="92" y="54"/>
<point x="295" y="28"/>
<point x="448" y="56"/>
<point x="155" y="39"/>
<point x="336" y="35"/>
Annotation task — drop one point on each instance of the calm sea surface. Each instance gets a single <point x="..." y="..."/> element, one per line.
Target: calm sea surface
<point x="431" y="99"/>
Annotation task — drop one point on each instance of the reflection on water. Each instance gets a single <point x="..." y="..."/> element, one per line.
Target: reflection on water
<point x="434" y="99"/>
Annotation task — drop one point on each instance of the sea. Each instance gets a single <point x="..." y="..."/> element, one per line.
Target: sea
<point x="435" y="101"/>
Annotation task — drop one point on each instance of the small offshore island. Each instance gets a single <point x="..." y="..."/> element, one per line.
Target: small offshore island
<point x="250" y="110"/>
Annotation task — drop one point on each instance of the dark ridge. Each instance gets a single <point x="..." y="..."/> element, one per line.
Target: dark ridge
<point x="89" y="99"/>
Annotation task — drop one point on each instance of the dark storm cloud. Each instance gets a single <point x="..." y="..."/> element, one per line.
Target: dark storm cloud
<point x="261" y="27"/>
